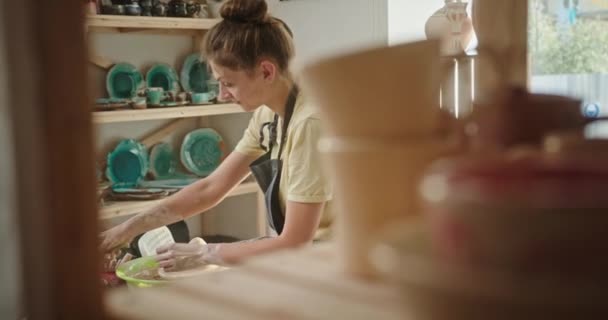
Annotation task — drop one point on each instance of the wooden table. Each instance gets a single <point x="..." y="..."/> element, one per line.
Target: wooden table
<point x="300" y="284"/>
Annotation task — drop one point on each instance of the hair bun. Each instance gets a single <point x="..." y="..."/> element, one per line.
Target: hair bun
<point x="245" y="10"/>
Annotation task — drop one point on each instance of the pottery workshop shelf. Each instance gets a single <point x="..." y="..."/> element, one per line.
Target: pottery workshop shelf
<point x="165" y="113"/>
<point x="118" y="23"/>
<point x="113" y="209"/>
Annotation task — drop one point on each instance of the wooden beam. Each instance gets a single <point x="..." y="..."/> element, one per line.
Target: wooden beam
<point x="55" y="165"/>
<point x="159" y="134"/>
<point x="100" y="61"/>
<point x="502" y="32"/>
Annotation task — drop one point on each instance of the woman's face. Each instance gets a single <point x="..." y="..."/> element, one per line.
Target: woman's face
<point x="247" y="89"/>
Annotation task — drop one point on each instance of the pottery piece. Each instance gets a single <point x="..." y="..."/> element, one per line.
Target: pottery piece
<point x="194" y="75"/>
<point x="535" y="215"/>
<point x="202" y="151"/>
<point x="166" y="104"/>
<point x="377" y="92"/>
<point x="108" y="104"/>
<point x="430" y="288"/>
<point x="214" y="7"/>
<point x="137" y="194"/>
<point x="201" y="98"/>
<point x="138" y="103"/>
<point x="516" y="117"/>
<point x="452" y="24"/>
<point x="176" y="181"/>
<point x="164" y="76"/>
<point x="159" y="9"/>
<point x="127" y="164"/>
<point x="123" y="81"/>
<point x="133" y="9"/>
<point x="116" y="9"/>
<point x="193" y="9"/>
<point x="146" y="7"/>
<point x="155" y="95"/>
<point x="357" y="167"/>
<point x="162" y="161"/>
<point x="177" y="8"/>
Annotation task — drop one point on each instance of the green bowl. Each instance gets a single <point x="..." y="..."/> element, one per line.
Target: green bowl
<point x="128" y="271"/>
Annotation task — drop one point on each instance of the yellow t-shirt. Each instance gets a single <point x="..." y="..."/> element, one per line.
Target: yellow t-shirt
<point x="302" y="178"/>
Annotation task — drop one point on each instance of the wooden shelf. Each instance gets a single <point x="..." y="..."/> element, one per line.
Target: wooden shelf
<point x="117" y="23"/>
<point x="116" y="209"/>
<point x="165" y="113"/>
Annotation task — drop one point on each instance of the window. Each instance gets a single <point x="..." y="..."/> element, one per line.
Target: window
<point x="568" y="45"/>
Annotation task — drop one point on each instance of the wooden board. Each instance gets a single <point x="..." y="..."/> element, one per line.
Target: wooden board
<point x="119" y="23"/>
<point x="165" y="113"/>
<point x="299" y="284"/>
<point x="113" y="209"/>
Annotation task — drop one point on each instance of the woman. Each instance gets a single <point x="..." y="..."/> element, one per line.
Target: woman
<point x="249" y="54"/>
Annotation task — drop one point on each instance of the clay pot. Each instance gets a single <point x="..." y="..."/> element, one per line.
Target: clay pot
<point x="375" y="93"/>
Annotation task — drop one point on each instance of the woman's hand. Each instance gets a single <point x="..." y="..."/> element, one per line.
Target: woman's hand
<point x="114" y="238"/>
<point x="188" y="255"/>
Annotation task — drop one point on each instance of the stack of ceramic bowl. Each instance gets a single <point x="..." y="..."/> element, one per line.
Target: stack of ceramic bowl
<point x="381" y="115"/>
<point x="506" y="238"/>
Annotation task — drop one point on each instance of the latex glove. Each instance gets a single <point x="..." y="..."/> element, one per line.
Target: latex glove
<point x="114" y="238"/>
<point x="181" y="256"/>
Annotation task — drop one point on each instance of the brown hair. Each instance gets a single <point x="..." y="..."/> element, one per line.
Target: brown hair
<point x="246" y="35"/>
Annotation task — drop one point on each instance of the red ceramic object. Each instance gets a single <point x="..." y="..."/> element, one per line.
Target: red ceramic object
<point x="536" y="214"/>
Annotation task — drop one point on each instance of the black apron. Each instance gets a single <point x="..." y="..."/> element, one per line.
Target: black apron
<point x="267" y="171"/>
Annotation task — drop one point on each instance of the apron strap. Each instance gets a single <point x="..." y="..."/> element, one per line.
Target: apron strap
<point x="272" y="126"/>
<point x="289" y="107"/>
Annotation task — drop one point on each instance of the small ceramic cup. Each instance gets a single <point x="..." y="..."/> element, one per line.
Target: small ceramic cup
<point x="133" y="9"/>
<point x="155" y="95"/>
<point x="138" y="103"/>
<point x="200" y="98"/>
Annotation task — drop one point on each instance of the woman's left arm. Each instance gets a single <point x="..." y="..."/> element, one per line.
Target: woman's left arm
<point x="301" y="222"/>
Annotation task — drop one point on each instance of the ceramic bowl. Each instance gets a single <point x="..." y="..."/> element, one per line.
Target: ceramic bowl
<point x="533" y="215"/>
<point x="430" y="288"/>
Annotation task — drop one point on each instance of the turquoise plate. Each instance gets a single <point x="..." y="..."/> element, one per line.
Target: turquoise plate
<point x="177" y="181"/>
<point x="164" y="76"/>
<point x="123" y="81"/>
<point x="202" y="151"/>
<point x="166" y="104"/>
<point x="127" y="164"/>
<point x="194" y="74"/>
<point x="162" y="161"/>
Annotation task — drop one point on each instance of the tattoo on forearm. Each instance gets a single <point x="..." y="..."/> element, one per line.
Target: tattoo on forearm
<point x="154" y="218"/>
